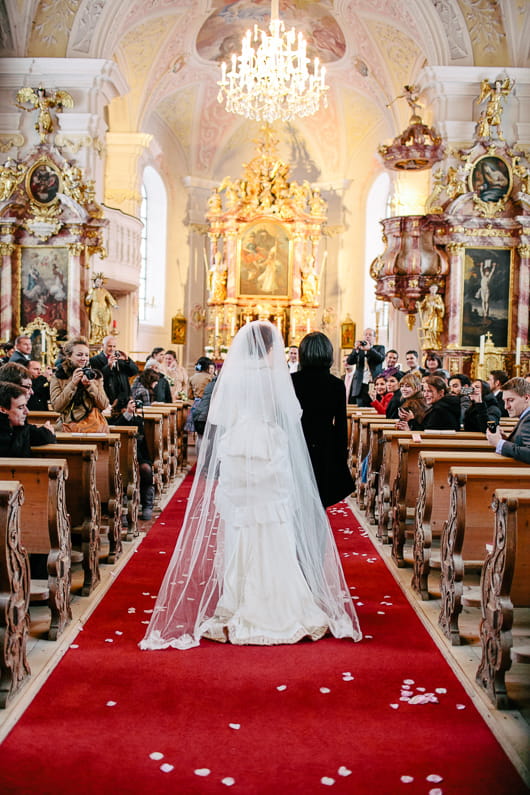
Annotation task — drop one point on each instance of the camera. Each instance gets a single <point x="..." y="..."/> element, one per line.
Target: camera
<point x="364" y="343"/>
<point x="139" y="404"/>
<point x="89" y="373"/>
<point x="467" y="390"/>
<point x="492" y="426"/>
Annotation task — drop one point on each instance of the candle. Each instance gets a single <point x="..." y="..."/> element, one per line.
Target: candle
<point x="232" y="326"/>
<point x="294" y="327"/>
<point x="518" y="351"/>
<point x="279" y="323"/>
<point x="482" y="348"/>
<point x="216" y="327"/>
<point x="308" y="326"/>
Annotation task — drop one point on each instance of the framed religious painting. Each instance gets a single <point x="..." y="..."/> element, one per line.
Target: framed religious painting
<point x="486" y="291"/>
<point x="43" y="281"/>
<point x="347" y="333"/>
<point x="264" y="260"/>
<point x="43" y="182"/>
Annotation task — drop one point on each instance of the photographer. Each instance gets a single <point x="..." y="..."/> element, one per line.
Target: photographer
<point x="125" y="412"/>
<point x="483" y="411"/>
<point x="368" y="359"/>
<point x="77" y="392"/>
<point x="116" y="367"/>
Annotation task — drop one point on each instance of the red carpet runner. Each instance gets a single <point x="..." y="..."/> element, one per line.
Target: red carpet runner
<point x="310" y="718"/>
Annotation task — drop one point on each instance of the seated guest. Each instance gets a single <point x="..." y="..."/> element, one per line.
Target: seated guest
<point x="413" y="406"/>
<point x="483" y="411"/>
<point x="162" y="392"/>
<point x="379" y="395"/>
<point x="144" y="386"/>
<point x="17" y="374"/>
<point x="460" y="386"/>
<point x="17" y="437"/>
<point x="77" y="391"/>
<point x="443" y="409"/>
<point x="22" y="352"/>
<point x="116" y="368"/>
<point x="433" y="363"/>
<point x="413" y="363"/>
<point x="125" y="412"/>
<point x="176" y="375"/>
<point x="391" y="366"/>
<point x="40" y="399"/>
<point x="8" y="348"/>
<point x="496" y="380"/>
<point x="516" y="394"/>
<point x="392" y="386"/>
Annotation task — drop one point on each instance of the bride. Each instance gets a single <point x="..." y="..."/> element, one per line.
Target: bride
<point x="255" y="562"/>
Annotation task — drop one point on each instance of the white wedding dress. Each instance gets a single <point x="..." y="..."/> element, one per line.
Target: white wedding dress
<point x="256" y="562"/>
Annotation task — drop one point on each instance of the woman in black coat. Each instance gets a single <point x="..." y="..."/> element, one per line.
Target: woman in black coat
<point x="483" y="409"/>
<point x="321" y="396"/>
<point x="443" y="409"/>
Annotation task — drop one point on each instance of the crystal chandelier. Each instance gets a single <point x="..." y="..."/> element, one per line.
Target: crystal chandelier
<point x="272" y="81"/>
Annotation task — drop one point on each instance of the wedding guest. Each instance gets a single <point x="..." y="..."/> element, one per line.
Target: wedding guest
<point x="77" y="391"/>
<point x="380" y="395"/>
<point x="483" y="411"/>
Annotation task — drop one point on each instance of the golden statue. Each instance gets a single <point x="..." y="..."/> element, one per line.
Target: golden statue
<point x="214" y="202"/>
<point x="43" y="101"/>
<point x="310" y="282"/>
<point x="11" y="175"/>
<point x="217" y="276"/>
<point x="100" y="303"/>
<point x="432" y="311"/>
<point x="493" y="96"/>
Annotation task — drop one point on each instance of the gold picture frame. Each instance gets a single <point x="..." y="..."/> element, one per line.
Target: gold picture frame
<point x="487" y="288"/>
<point x="43" y="181"/>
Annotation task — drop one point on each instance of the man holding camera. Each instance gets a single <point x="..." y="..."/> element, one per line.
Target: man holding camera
<point x="516" y="395"/>
<point x="116" y="368"/>
<point x="368" y="359"/>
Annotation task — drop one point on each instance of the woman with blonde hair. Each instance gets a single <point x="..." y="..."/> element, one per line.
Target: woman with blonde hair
<point x="77" y="392"/>
<point x="413" y="407"/>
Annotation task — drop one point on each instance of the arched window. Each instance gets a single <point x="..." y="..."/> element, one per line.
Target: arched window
<point x="377" y="208"/>
<point x="153" y="213"/>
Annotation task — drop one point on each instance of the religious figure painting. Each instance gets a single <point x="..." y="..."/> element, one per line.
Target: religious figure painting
<point x="43" y="183"/>
<point x="486" y="296"/>
<point x="264" y="254"/>
<point x="44" y="285"/>
<point x="491" y="178"/>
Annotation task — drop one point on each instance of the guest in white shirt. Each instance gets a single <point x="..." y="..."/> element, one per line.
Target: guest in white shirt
<point x="292" y="359"/>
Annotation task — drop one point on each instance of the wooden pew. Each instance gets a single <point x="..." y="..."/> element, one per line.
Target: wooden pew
<point x="403" y="450"/>
<point x="505" y="585"/>
<point x="375" y="457"/>
<point x="183" y="407"/>
<point x="467" y="531"/>
<point x="172" y="411"/>
<point x="40" y="417"/>
<point x="354" y="414"/>
<point x="82" y="503"/>
<point x="432" y="506"/>
<point x="108" y="482"/>
<point x="388" y="470"/>
<point x="165" y="413"/>
<point x="153" y="426"/>
<point x="14" y="594"/>
<point x="130" y="477"/>
<point x="45" y="526"/>
<point x="363" y="447"/>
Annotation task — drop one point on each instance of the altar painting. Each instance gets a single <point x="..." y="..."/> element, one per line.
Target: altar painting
<point x="264" y="254"/>
<point x="486" y="296"/>
<point x="44" y="285"/>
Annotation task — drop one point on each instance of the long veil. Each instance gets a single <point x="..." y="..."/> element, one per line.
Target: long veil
<point x="254" y="420"/>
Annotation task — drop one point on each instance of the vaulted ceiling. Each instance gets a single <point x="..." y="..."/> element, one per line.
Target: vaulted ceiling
<point x="169" y="53"/>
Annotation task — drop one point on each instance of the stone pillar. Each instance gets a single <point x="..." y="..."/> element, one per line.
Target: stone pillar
<point x="127" y="153"/>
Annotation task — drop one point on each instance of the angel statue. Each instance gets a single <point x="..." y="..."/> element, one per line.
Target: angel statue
<point x="11" y="175"/>
<point x="42" y="100"/>
<point x="432" y="311"/>
<point x="100" y="304"/>
<point x="493" y="96"/>
<point x="310" y="282"/>
<point x="217" y="276"/>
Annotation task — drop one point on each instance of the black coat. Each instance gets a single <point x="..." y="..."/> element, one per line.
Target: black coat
<point x="374" y="356"/>
<point x="478" y="415"/>
<point x="162" y="393"/>
<point x="40" y="399"/>
<point x="17" y="442"/>
<point x="444" y="415"/>
<point x="116" y="378"/>
<point x="395" y="402"/>
<point x="321" y="396"/>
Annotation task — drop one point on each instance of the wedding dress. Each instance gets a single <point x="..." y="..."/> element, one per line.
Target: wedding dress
<point x="256" y="562"/>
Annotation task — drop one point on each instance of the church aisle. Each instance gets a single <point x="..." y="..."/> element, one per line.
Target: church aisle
<point x="384" y="715"/>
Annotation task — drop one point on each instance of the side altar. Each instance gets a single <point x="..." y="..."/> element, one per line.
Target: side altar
<point x="264" y="259"/>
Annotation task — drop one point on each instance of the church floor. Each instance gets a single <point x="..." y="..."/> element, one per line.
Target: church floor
<point x="512" y="728"/>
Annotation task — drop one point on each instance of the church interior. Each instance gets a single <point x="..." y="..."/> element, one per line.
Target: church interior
<point x="137" y="201"/>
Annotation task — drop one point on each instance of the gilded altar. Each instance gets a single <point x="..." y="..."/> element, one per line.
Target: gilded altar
<point x="264" y="259"/>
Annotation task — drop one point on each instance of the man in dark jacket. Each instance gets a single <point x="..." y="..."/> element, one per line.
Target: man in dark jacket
<point x="116" y="368"/>
<point x="16" y="436"/>
<point x="40" y="399"/>
<point x="368" y="359"/>
<point x="496" y="381"/>
<point x="22" y="352"/>
<point x="516" y="394"/>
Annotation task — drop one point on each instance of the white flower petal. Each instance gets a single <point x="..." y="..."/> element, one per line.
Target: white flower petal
<point x="434" y="778"/>
<point x="395" y="706"/>
<point x="166" y="768"/>
<point x="441" y="690"/>
<point x="407" y="779"/>
<point x="109" y="640"/>
<point x="228" y="781"/>
<point x="344" y="771"/>
<point x="156" y="755"/>
<point x="202" y="771"/>
<point x="325" y="690"/>
<point x="117" y="632"/>
<point x="409" y="682"/>
<point x="460" y="706"/>
<point x="111" y="703"/>
<point x="235" y="725"/>
<point x="327" y="781"/>
<point x="74" y="645"/>
<point x="281" y="687"/>
<point x="436" y="791"/>
<point x="421" y="689"/>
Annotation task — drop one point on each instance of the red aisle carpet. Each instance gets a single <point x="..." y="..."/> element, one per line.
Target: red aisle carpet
<point x="309" y="718"/>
